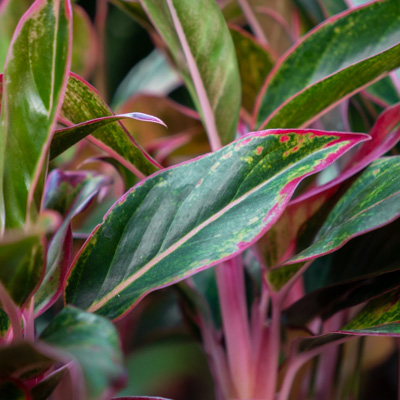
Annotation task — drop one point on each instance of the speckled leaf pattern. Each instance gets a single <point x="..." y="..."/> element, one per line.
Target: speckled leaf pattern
<point x="65" y="138"/>
<point x="82" y="103"/>
<point x="192" y="216"/>
<point x="333" y="61"/>
<point x="211" y="46"/>
<point x="11" y="12"/>
<point x="34" y="81"/>
<point x="255" y="62"/>
<point x="371" y="202"/>
<point x="93" y="343"/>
<point x="380" y="316"/>
<point x="68" y="193"/>
<point x="22" y="261"/>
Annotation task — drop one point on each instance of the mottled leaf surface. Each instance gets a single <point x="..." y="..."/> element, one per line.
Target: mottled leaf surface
<point x="93" y="343"/>
<point x="371" y="202"/>
<point x="192" y="216"/>
<point x="215" y="67"/>
<point x="83" y="103"/>
<point x="68" y="193"/>
<point x="11" y="12"/>
<point x="333" y="61"/>
<point x="380" y="316"/>
<point x="34" y="81"/>
<point x="65" y="138"/>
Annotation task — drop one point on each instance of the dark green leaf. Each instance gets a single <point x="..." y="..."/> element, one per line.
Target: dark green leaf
<point x="192" y="216"/>
<point x="337" y="59"/>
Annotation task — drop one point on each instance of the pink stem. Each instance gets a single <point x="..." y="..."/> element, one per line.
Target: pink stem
<point x="13" y="312"/>
<point x="267" y="368"/>
<point x="29" y="321"/>
<point x="253" y="21"/>
<point x="217" y="360"/>
<point x="231" y="290"/>
<point x="297" y="362"/>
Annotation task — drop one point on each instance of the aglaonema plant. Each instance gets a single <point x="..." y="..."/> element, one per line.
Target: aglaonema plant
<point x="264" y="224"/>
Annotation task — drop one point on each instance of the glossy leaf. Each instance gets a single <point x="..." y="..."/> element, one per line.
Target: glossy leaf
<point x="210" y="71"/>
<point x="65" y="138"/>
<point x="68" y="193"/>
<point x="93" y="343"/>
<point x="335" y="60"/>
<point x="255" y="62"/>
<point x="35" y="74"/>
<point x="83" y="103"/>
<point x="371" y="202"/>
<point x="84" y="46"/>
<point x="176" y="223"/>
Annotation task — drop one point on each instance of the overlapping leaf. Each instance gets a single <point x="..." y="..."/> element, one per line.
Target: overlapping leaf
<point x="65" y="138"/>
<point x="192" y="216"/>
<point x="93" y="343"/>
<point x="68" y="193"/>
<point x="204" y="53"/>
<point x="34" y="81"/>
<point x="371" y="202"/>
<point x="83" y="103"/>
<point x="336" y="59"/>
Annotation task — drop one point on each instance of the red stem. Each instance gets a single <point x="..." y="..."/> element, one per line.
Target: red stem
<point x="13" y="312"/>
<point x="231" y="290"/>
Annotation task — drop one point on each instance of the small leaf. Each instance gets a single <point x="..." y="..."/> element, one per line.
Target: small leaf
<point x="192" y="216"/>
<point x="335" y="60"/>
<point x="83" y="103"/>
<point x="371" y="202"/>
<point x="93" y="343"/>
<point x="210" y="71"/>
<point x="65" y="138"/>
<point x="67" y="193"/>
<point x="34" y="81"/>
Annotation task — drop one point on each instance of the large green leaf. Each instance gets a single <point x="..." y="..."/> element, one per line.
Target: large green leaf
<point x="34" y="81"/>
<point x="83" y="103"/>
<point x="371" y="202"/>
<point x="194" y="215"/>
<point x="93" y="343"/>
<point x="335" y="60"/>
<point x="199" y="40"/>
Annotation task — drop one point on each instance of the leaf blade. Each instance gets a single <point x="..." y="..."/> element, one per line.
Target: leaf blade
<point x="164" y="200"/>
